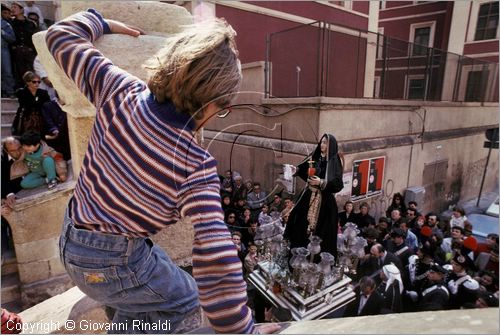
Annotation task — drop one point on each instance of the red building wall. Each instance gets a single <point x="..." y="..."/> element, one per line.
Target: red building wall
<point x="316" y="11"/>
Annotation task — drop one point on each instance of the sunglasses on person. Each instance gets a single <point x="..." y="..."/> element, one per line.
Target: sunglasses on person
<point x="36" y="81"/>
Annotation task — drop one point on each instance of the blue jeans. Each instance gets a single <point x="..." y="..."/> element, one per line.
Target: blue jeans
<point x="132" y="275"/>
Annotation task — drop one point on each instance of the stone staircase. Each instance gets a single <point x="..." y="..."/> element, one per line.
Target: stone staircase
<point x="11" y="293"/>
<point x="9" y="108"/>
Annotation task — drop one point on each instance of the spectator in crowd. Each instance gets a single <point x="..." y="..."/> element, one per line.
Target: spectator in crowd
<point x="391" y="289"/>
<point x="377" y="259"/>
<point x="256" y="199"/>
<point x="486" y="246"/>
<point x="36" y="20"/>
<point x="418" y="268"/>
<point x="487" y="281"/>
<point x="432" y="221"/>
<point x="435" y="295"/>
<point x="371" y="235"/>
<point x="396" y="218"/>
<point x="23" y="50"/>
<point x="398" y="247"/>
<point x="227" y="182"/>
<point x="236" y="238"/>
<point x="410" y="238"/>
<point x="249" y="185"/>
<point x="194" y="78"/>
<point x="227" y="204"/>
<point x="411" y="217"/>
<point x="363" y="218"/>
<point x="486" y="300"/>
<point x="468" y="228"/>
<point x="277" y="203"/>
<point x="8" y="38"/>
<point x="245" y="217"/>
<point x="13" y="169"/>
<point x="240" y="206"/>
<point x="397" y="203"/>
<point x="251" y="259"/>
<point x="41" y="162"/>
<point x="31" y="99"/>
<point x="458" y="217"/>
<point x="414" y="205"/>
<point x="264" y="216"/>
<point x="347" y="215"/>
<point x="239" y="189"/>
<point x="488" y="260"/>
<point x="34" y="9"/>
<point x="231" y="221"/>
<point x="456" y="239"/>
<point x="383" y="230"/>
<point x="463" y="289"/>
<point x="368" y="301"/>
<point x="248" y="234"/>
<point x="316" y="210"/>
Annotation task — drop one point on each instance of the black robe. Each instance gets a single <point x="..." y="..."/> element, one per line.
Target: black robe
<point x="330" y="170"/>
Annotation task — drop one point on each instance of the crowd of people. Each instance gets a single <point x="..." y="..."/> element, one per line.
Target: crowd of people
<point x="37" y="152"/>
<point x="412" y="262"/>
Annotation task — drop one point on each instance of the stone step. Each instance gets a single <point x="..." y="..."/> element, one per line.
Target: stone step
<point x="9" y="263"/>
<point x="9" y="104"/>
<point x="10" y="288"/>
<point x="8" y="116"/>
<point x="6" y="130"/>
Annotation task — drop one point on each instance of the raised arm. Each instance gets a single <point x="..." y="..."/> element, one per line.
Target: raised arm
<point x="216" y="266"/>
<point x="71" y="43"/>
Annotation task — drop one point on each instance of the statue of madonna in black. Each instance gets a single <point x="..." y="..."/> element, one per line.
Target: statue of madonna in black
<point x="316" y="210"/>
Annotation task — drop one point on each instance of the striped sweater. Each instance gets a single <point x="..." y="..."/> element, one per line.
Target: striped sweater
<point x="143" y="170"/>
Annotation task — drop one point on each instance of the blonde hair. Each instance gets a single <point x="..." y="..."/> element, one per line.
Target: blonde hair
<point x="200" y="66"/>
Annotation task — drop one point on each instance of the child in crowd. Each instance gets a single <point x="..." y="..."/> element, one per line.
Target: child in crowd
<point x="41" y="161"/>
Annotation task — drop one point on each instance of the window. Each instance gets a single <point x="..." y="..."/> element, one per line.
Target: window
<point x="487" y="21"/>
<point x="473" y="89"/>
<point x="421" y="41"/>
<point x="421" y="37"/>
<point x="416" y="88"/>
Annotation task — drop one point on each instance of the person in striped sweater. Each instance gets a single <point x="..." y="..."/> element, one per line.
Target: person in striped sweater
<point x="143" y="170"/>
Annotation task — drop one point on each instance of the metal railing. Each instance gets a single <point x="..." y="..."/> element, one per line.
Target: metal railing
<point x="321" y="59"/>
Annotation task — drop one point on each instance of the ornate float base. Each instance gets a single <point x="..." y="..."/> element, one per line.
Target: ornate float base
<point x="313" y="307"/>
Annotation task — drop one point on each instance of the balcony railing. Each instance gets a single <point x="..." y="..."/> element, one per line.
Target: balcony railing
<point x="320" y="59"/>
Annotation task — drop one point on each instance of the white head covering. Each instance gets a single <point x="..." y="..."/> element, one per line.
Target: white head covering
<point x="392" y="273"/>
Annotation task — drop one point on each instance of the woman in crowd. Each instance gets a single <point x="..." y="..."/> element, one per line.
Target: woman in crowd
<point x="397" y="203"/>
<point x="348" y="214"/>
<point x="316" y="210"/>
<point x="31" y="99"/>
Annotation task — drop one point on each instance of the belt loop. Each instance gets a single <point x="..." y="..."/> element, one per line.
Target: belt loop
<point x="130" y="246"/>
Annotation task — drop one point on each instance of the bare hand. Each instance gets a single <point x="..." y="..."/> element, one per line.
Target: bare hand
<point x="268" y="328"/>
<point x="314" y="180"/>
<point x="118" y="27"/>
<point x="10" y="201"/>
<point x="6" y="210"/>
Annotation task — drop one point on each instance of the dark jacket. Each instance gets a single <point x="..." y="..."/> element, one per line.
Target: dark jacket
<point x="373" y="305"/>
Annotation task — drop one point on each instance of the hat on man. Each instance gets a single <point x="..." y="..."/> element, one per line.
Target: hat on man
<point x="438" y="268"/>
<point x="470" y="243"/>
<point x="398" y="232"/>
<point x="18" y="3"/>
<point x="464" y="261"/>
<point x="426" y="231"/>
<point x="5" y="7"/>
